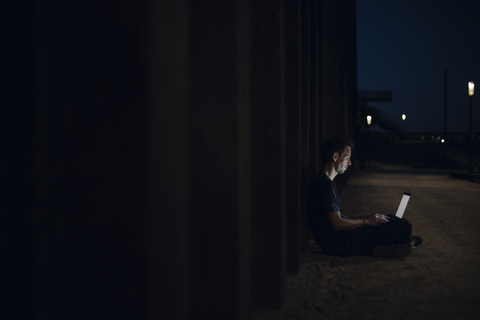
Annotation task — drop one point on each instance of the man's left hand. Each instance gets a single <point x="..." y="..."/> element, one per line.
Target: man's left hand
<point x="376" y="219"/>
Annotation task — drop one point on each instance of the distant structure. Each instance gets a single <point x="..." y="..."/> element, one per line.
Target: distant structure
<point x="396" y="130"/>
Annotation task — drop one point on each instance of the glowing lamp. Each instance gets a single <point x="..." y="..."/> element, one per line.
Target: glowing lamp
<point x="471" y="87"/>
<point x="404" y="116"/>
<point x="369" y="119"/>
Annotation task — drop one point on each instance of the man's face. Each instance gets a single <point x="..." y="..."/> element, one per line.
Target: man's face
<point x="343" y="161"/>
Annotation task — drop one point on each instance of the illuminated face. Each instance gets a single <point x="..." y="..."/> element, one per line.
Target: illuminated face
<point x="342" y="162"/>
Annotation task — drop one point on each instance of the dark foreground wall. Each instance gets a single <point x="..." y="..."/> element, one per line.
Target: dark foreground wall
<point x="166" y="148"/>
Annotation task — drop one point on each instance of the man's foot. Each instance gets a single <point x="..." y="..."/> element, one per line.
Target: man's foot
<point x="398" y="251"/>
<point x="415" y="241"/>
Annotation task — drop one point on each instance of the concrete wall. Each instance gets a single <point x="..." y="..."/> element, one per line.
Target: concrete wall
<point x="167" y="151"/>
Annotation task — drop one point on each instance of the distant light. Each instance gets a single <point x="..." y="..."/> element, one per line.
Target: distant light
<point x="433" y="137"/>
<point x="423" y="137"/>
<point x="404" y="116"/>
<point x="443" y="140"/>
<point x="471" y="87"/>
<point x="369" y="119"/>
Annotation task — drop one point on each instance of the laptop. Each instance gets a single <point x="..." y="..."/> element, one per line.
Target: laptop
<point x="403" y="205"/>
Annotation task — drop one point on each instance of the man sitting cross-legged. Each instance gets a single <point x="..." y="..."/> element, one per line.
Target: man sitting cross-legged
<point x="377" y="234"/>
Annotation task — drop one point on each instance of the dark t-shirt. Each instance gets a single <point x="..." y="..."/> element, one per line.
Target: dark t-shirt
<point x="323" y="199"/>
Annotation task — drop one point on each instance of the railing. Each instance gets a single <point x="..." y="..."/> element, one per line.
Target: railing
<point x="456" y="137"/>
<point x="459" y="140"/>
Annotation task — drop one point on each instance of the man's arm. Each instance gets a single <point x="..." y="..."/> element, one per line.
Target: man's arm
<point x="339" y="223"/>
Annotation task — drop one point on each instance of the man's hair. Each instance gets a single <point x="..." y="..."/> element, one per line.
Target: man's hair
<point x="334" y="144"/>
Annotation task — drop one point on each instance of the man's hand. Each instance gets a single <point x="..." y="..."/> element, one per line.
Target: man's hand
<point x="375" y="219"/>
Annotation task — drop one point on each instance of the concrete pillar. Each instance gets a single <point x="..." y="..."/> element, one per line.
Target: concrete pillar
<point x="312" y="91"/>
<point x="168" y="261"/>
<point x="322" y="53"/>
<point x="304" y="120"/>
<point x="292" y="133"/>
<point x="244" y="223"/>
<point x="350" y="67"/>
<point x="92" y="160"/>
<point x="313" y="107"/>
<point x="328" y="42"/>
<point x="218" y="160"/>
<point x="17" y="141"/>
<point x="267" y="151"/>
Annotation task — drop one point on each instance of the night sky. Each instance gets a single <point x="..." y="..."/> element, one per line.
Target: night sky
<point x="406" y="45"/>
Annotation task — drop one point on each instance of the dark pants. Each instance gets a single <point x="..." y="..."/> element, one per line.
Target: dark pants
<point x="360" y="241"/>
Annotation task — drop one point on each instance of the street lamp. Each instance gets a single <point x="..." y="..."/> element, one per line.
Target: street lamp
<point x="404" y="117"/>
<point x="369" y="122"/>
<point x="471" y="88"/>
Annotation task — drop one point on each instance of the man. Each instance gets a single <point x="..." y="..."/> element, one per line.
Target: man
<point x="377" y="234"/>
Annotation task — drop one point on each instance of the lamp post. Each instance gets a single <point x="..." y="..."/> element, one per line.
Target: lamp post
<point x="471" y="87"/>
<point x="444" y="118"/>
<point x="369" y="122"/>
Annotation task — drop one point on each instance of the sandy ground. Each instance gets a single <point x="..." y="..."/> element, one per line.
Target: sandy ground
<point x="440" y="280"/>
